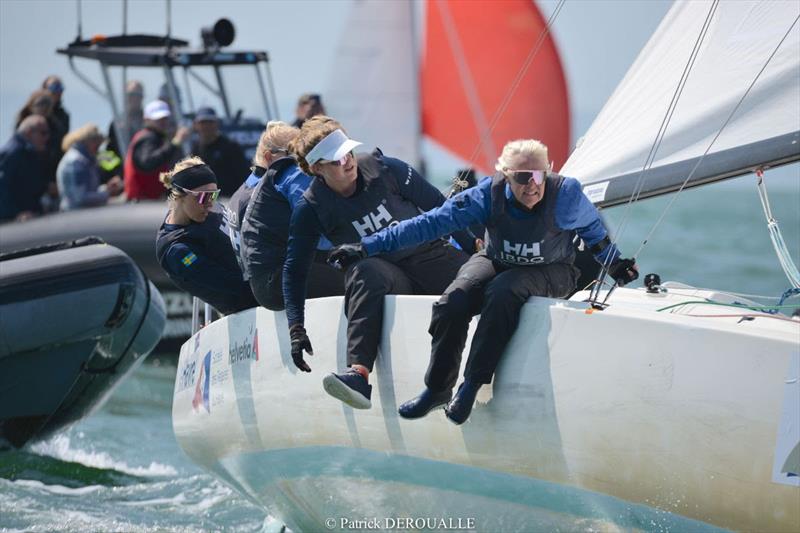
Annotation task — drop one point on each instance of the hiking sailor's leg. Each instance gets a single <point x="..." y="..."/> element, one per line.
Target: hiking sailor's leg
<point x="450" y="321"/>
<point x="366" y="283"/>
<point x="448" y="329"/>
<point x="505" y="296"/>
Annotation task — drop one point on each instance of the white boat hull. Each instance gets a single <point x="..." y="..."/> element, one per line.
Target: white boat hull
<point x="597" y="420"/>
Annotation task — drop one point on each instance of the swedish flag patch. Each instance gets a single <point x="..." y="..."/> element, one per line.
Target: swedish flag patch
<point x="189" y="259"/>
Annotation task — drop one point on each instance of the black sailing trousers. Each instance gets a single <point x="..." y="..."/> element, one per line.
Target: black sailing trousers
<point x="323" y="280"/>
<point x="428" y="271"/>
<point x="496" y="291"/>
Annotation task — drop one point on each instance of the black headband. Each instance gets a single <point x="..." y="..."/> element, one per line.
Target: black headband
<point x="193" y="177"/>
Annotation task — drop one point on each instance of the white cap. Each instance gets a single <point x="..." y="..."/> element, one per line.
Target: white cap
<point x="332" y="148"/>
<point x="156" y="109"/>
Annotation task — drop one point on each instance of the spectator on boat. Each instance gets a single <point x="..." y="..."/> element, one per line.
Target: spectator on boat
<point x="152" y="152"/>
<point x="531" y="216"/>
<point x="308" y="105"/>
<point x="265" y="224"/>
<point x="22" y="170"/>
<point x="133" y="119"/>
<point x="78" y="174"/>
<point x="193" y="246"/>
<point x="225" y="157"/>
<point x="55" y="86"/>
<point x="348" y="199"/>
<point x="41" y="102"/>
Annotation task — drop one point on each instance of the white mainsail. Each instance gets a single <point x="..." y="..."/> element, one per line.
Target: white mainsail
<point x="764" y="131"/>
<point x="376" y="65"/>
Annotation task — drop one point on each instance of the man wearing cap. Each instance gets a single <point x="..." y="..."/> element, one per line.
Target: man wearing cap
<point x="151" y="152"/>
<point x="55" y="86"/>
<point x="224" y="156"/>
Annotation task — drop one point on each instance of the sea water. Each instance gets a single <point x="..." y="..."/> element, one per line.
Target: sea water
<point x="122" y="470"/>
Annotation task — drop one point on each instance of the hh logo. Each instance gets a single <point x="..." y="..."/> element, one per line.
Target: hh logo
<point x="520" y="252"/>
<point x="374" y="221"/>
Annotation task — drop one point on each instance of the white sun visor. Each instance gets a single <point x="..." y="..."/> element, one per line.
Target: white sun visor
<point x="332" y="148"/>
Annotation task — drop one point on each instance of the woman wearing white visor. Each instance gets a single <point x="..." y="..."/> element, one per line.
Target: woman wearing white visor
<point x="352" y="197"/>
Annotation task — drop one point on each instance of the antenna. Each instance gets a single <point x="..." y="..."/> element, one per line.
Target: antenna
<point x="169" y="21"/>
<point x="124" y="17"/>
<point x="79" y="21"/>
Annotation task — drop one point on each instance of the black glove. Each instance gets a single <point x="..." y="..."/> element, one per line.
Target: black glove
<point x="300" y="342"/>
<point x="345" y="255"/>
<point x="623" y="271"/>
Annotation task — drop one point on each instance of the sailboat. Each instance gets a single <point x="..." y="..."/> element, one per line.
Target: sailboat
<point x="662" y="408"/>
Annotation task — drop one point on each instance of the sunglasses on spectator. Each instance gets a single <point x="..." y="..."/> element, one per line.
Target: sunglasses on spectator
<point x="339" y="162"/>
<point x="202" y="196"/>
<point x="523" y="177"/>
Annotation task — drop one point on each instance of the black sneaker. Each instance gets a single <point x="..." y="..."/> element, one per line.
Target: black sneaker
<point x="459" y="409"/>
<point x="424" y="403"/>
<point x="351" y="388"/>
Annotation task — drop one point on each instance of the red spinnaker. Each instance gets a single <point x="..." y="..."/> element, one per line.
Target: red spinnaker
<point x="473" y="53"/>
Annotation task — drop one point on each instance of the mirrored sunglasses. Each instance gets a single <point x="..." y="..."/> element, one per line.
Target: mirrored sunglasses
<point x="201" y="196"/>
<point x="523" y="177"/>
<point x="339" y="162"/>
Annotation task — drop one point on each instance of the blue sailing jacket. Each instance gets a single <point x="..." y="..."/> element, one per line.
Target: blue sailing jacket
<point x="573" y="212"/>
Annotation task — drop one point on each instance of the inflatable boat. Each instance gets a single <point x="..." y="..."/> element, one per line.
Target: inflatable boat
<point x="75" y="319"/>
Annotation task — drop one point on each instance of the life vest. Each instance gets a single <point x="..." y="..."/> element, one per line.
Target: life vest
<point x="528" y="240"/>
<point x="265" y="225"/>
<point x="376" y="205"/>
<point x="208" y="239"/>
<point x="142" y="184"/>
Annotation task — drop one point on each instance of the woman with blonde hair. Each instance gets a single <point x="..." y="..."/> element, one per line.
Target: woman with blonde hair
<point x="349" y="198"/>
<point x="531" y="217"/>
<point x="192" y="245"/>
<point x="78" y="175"/>
<point x="265" y="224"/>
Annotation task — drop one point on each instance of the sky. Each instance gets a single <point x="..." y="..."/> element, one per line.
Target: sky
<point x="298" y="35"/>
<point x="598" y="40"/>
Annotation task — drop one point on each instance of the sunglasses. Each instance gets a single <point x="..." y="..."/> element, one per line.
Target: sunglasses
<point x="339" y="162"/>
<point x="523" y="177"/>
<point x="202" y="196"/>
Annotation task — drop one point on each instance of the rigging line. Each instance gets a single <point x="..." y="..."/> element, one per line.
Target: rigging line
<point x="656" y="144"/>
<point x="714" y="140"/>
<point x="516" y="82"/>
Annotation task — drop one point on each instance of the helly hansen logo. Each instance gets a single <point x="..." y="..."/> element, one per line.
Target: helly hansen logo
<point x="375" y="221"/>
<point x="520" y="252"/>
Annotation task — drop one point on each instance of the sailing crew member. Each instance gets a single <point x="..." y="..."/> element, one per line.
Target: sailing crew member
<point x="151" y="153"/>
<point x="265" y="223"/>
<point x="193" y="246"/>
<point x="349" y="199"/>
<point x="531" y="217"/>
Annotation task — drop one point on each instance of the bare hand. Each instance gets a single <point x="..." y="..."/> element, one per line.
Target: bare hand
<point x="114" y="186"/>
<point x="181" y="135"/>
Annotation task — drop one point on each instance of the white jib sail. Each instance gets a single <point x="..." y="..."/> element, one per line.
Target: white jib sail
<point x="764" y="130"/>
<point x="374" y="90"/>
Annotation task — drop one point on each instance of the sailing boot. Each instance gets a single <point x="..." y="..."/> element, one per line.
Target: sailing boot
<point x="424" y="403"/>
<point x="351" y="388"/>
<point x="458" y="410"/>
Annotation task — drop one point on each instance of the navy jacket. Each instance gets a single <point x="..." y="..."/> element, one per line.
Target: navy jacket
<point x="306" y="229"/>
<point x="22" y="178"/>
<point x="199" y="259"/>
